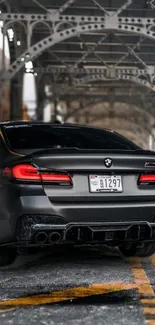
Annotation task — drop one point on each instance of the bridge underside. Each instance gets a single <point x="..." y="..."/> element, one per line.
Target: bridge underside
<point x="96" y="57"/>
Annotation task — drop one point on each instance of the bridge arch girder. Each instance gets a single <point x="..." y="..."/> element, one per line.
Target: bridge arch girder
<point x="101" y="77"/>
<point x="106" y="112"/>
<point x="122" y="100"/>
<point x="37" y="49"/>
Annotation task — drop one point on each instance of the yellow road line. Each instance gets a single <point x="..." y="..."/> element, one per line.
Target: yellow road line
<point x="153" y="259"/>
<point x="144" y="288"/>
<point x="149" y="310"/>
<point x="151" y="322"/>
<point x="69" y="294"/>
<point x="148" y="301"/>
<point x="142" y="281"/>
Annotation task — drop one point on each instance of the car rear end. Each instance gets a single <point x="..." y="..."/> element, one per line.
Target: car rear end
<point x="77" y="185"/>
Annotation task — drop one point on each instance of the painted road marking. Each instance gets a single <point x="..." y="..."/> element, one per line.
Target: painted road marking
<point x="141" y="279"/>
<point x="149" y="311"/>
<point x="148" y="302"/>
<point x="144" y="288"/>
<point x="69" y="294"/>
<point x="142" y="284"/>
<point x="153" y="259"/>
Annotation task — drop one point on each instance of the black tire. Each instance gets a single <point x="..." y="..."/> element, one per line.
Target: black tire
<point x="148" y="249"/>
<point x="7" y="256"/>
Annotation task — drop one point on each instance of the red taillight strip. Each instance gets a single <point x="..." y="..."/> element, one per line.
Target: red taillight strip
<point x="55" y="177"/>
<point x="146" y="178"/>
<point x="26" y="172"/>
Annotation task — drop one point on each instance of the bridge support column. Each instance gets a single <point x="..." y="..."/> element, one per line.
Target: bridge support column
<point x="41" y="101"/>
<point x="16" y="101"/>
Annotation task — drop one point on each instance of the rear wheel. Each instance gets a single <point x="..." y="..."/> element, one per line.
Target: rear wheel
<point x="7" y="255"/>
<point x="146" y="250"/>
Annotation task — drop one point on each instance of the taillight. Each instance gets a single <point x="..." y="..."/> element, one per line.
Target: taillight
<point x="26" y="172"/>
<point x="55" y="177"/>
<point x="146" y="179"/>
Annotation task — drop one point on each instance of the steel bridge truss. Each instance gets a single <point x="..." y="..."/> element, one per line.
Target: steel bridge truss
<point x="77" y="25"/>
<point x="144" y="77"/>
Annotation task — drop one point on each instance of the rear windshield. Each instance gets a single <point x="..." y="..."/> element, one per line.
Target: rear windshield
<point x="49" y="136"/>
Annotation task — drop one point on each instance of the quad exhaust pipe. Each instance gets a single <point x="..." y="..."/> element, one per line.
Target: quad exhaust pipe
<point x="54" y="238"/>
<point x="77" y="233"/>
<point x="43" y="238"/>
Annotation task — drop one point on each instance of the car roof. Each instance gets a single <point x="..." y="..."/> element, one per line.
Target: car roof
<point x="71" y="125"/>
<point x="10" y="124"/>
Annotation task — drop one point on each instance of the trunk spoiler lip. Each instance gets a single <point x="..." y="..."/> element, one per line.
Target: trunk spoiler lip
<point x="75" y="150"/>
<point x="30" y="158"/>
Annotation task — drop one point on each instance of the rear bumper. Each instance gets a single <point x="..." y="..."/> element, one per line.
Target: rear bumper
<point x="34" y="231"/>
<point x="19" y="219"/>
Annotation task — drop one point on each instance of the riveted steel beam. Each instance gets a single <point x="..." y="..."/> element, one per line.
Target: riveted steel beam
<point x="100" y="7"/>
<point x="123" y="7"/>
<point x="132" y="50"/>
<point x="54" y="16"/>
<point x="81" y="25"/>
<point x="150" y="70"/>
<point x="89" y="50"/>
<point x="65" y="6"/>
<point x="38" y="48"/>
<point x="40" y="5"/>
<point x="100" y="77"/>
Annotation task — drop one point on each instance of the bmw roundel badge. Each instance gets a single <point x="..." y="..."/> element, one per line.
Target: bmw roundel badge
<point x="108" y="162"/>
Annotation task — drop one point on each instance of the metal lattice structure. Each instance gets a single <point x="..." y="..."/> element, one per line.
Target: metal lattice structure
<point x="80" y="46"/>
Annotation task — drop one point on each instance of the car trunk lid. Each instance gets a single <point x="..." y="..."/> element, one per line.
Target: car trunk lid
<point x="81" y="165"/>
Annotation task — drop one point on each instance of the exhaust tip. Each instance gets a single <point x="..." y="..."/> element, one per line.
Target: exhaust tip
<point x="41" y="238"/>
<point x="54" y="237"/>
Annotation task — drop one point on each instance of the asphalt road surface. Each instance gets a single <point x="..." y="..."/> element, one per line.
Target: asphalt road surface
<point x="78" y="287"/>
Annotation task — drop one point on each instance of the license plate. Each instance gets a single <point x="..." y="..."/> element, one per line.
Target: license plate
<point x="105" y="183"/>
